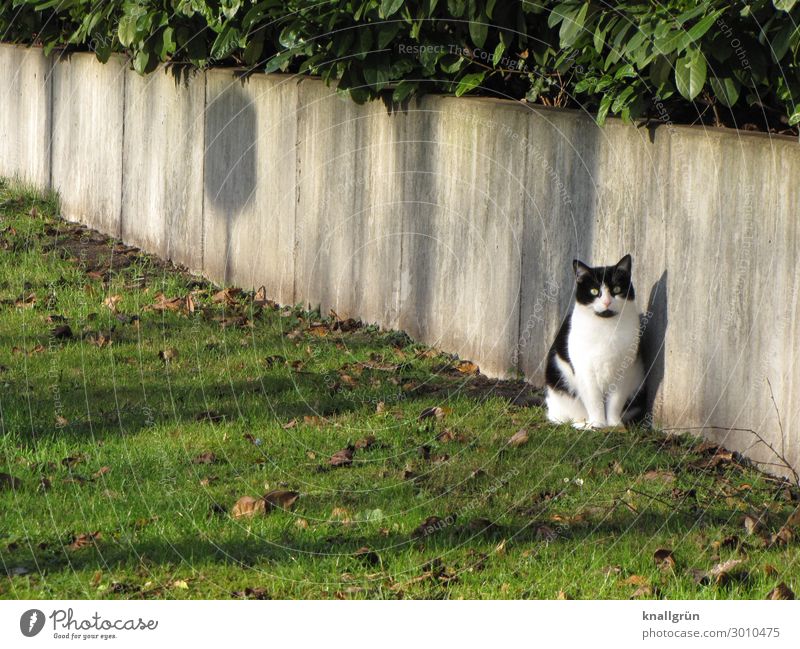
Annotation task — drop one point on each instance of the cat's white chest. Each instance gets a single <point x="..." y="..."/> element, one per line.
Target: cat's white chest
<point x="601" y="349"/>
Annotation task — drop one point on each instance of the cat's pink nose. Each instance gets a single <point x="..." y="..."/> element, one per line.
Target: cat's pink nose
<point x="606" y="302"/>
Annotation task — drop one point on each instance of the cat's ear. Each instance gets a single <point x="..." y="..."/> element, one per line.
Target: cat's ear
<point x="582" y="271"/>
<point x="625" y="264"/>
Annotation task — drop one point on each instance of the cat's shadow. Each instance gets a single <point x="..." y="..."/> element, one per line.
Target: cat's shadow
<point x="654" y="323"/>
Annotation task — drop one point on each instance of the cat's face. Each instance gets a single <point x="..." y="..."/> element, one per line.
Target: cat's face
<point x="605" y="289"/>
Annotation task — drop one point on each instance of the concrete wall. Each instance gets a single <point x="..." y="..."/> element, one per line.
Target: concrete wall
<point x="453" y="219"/>
<point x="25" y="112"/>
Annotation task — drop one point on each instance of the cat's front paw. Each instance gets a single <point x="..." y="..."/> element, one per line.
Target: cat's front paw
<point x="588" y="425"/>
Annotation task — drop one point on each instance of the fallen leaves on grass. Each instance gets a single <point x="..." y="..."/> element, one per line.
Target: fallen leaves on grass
<point x="467" y="367"/>
<point x="251" y="593"/>
<point x="103" y="470"/>
<point x="365" y="443"/>
<point x="784" y="536"/>
<point x="519" y="438"/>
<point x="73" y="460"/>
<point x="342" y="458"/>
<point x="664" y="558"/>
<point x="781" y="591"/>
<point x="719" y="574"/>
<point x="168" y="355"/>
<point x="546" y="533"/>
<point x="111" y="302"/>
<point x="99" y="339"/>
<point x="205" y="458"/>
<point x="367" y="555"/>
<point x="431" y="525"/>
<point x="281" y="499"/>
<point x="8" y="481"/>
<point x="226" y="296"/>
<point x="249" y="506"/>
<point x="434" y="412"/>
<point x="84" y="540"/>
<point x="62" y="332"/>
<point x="163" y="303"/>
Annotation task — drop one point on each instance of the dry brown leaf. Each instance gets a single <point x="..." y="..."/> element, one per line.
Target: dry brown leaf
<point x="635" y="580"/>
<point x="781" y="591"/>
<point x="205" y="458"/>
<point x="226" y="296"/>
<point x="752" y="524"/>
<point x="783" y="536"/>
<point x="163" y="303"/>
<point x="348" y="380"/>
<point x="260" y="297"/>
<point x="342" y="458"/>
<point x="340" y="515"/>
<point x="720" y="573"/>
<point x="365" y="443"/>
<point x="102" y="471"/>
<point x="111" y="302"/>
<point x="83" y="540"/>
<point x="664" y="559"/>
<point x="643" y="591"/>
<point x="546" y="533"/>
<point x="248" y="506"/>
<point x="519" y="438"/>
<point x="72" y="460"/>
<point x="62" y="332"/>
<point x="280" y="499"/>
<point x="467" y="367"/>
<point x="168" y="355"/>
<point x="429" y="526"/>
<point x="367" y="555"/>
<point x="8" y="481"/>
<point x="318" y="329"/>
<point x="61" y="421"/>
<point x="434" y="412"/>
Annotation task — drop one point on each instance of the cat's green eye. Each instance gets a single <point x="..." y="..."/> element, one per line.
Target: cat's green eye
<point x="594" y="291"/>
<point x="617" y="290"/>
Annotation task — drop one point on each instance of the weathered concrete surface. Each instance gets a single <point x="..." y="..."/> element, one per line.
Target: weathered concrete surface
<point x="25" y="114"/>
<point x="88" y="107"/>
<point x="162" y="164"/>
<point x="732" y="297"/>
<point x="461" y="248"/>
<point x="456" y="220"/>
<point x="356" y="168"/>
<point x="249" y="181"/>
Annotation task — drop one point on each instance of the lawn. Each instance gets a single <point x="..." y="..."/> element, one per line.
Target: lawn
<point x="139" y="404"/>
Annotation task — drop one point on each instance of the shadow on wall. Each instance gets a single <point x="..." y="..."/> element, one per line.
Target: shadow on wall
<point x="229" y="176"/>
<point x="654" y="338"/>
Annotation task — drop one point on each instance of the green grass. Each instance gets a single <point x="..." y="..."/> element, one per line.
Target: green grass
<point x="103" y="439"/>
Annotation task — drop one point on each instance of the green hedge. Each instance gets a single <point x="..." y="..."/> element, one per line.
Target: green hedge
<point x="672" y="60"/>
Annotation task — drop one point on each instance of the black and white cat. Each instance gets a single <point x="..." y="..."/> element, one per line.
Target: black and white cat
<point x="594" y="371"/>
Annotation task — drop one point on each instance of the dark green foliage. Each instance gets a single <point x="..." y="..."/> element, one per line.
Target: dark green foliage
<point x="673" y="60"/>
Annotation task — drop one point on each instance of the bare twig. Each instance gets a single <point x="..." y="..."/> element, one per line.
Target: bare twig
<point x="777" y="413"/>
<point x="784" y="463"/>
